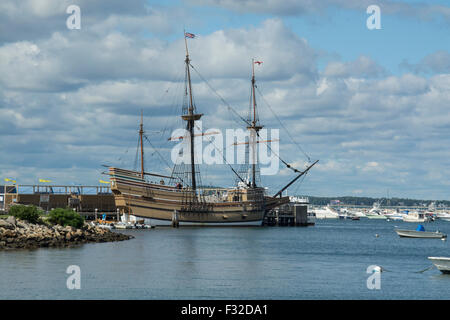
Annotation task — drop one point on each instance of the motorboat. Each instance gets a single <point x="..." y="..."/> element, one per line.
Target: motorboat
<point x="375" y="215"/>
<point x="375" y="212"/>
<point x="420" y="233"/>
<point x="326" y="213"/>
<point x="123" y="225"/>
<point x="357" y="213"/>
<point x="442" y="263"/>
<point x="143" y="226"/>
<point x="394" y="215"/>
<point x="415" y="216"/>
<point x="445" y="216"/>
<point x="106" y="226"/>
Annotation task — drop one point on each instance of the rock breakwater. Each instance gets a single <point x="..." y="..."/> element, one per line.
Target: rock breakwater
<point x="17" y="234"/>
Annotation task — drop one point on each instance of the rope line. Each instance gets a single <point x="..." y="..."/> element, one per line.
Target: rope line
<point x="223" y="157"/>
<point x="220" y="97"/>
<point x="284" y="127"/>
<point x="420" y="271"/>
<point x="157" y="152"/>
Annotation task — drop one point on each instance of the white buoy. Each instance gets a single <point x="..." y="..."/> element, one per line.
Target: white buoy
<point x="377" y="269"/>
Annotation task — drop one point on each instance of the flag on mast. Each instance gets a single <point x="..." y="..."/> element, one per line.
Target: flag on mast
<point x="189" y="35"/>
<point x="258" y="62"/>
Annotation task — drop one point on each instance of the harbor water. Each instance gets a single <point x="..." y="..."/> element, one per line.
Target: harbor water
<point x="326" y="261"/>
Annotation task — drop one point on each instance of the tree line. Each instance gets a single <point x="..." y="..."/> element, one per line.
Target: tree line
<point x="368" y="201"/>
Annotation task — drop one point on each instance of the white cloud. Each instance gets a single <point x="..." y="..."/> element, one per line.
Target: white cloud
<point x="437" y="63"/>
<point x="372" y="166"/>
<point x="363" y="67"/>
<point x="70" y="102"/>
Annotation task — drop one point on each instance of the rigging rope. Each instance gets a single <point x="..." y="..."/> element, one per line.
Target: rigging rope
<point x="172" y="109"/>
<point x="249" y="124"/>
<point x="157" y="152"/>
<point x="223" y="157"/>
<point x="287" y="131"/>
<point x="278" y="156"/>
<point x="302" y="179"/>
<point x="220" y="97"/>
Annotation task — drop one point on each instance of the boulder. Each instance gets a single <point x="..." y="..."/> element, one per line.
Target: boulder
<point x="5" y="224"/>
<point x="11" y="220"/>
<point x="9" y="233"/>
<point x="22" y="224"/>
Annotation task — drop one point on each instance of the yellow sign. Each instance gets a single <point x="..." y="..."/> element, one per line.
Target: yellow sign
<point x="103" y="181"/>
<point x="10" y="180"/>
<point x="43" y="180"/>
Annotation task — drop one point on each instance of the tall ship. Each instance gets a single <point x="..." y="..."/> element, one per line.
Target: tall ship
<point x="179" y="198"/>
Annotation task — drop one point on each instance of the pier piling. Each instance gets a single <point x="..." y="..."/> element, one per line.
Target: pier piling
<point x="175" y="222"/>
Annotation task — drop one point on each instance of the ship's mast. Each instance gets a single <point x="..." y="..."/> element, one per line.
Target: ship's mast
<point x="254" y="128"/>
<point x="191" y="117"/>
<point x="141" y="134"/>
<point x="253" y="93"/>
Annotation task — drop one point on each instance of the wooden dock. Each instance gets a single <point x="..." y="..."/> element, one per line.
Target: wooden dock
<point x="289" y="215"/>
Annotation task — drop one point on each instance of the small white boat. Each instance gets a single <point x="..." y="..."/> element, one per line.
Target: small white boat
<point x="415" y="217"/>
<point x="445" y="216"/>
<point x="122" y="225"/>
<point x="393" y="215"/>
<point x="142" y="226"/>
<point x="394" y="218"/>
<point x="326" y="213"/>
<point x="442" y="263"/>
<point x="420" y="233"/>
<point x="106" y="226"/>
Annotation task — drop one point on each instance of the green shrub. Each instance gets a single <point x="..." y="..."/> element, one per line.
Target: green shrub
<point x="28" y="213"/>
<point x="65" y="217"/>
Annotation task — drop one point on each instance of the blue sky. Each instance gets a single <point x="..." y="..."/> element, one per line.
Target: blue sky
<point x="343" y="32"/>
<point x="371" y="105"/>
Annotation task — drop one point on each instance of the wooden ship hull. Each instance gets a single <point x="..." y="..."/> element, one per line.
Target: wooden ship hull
<point x="166" y="204"/>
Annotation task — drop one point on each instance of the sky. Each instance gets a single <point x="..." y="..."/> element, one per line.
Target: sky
<point x="370" y="104"/>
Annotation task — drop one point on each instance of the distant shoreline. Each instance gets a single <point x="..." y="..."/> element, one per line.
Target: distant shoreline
<point x="368" y="201"/>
